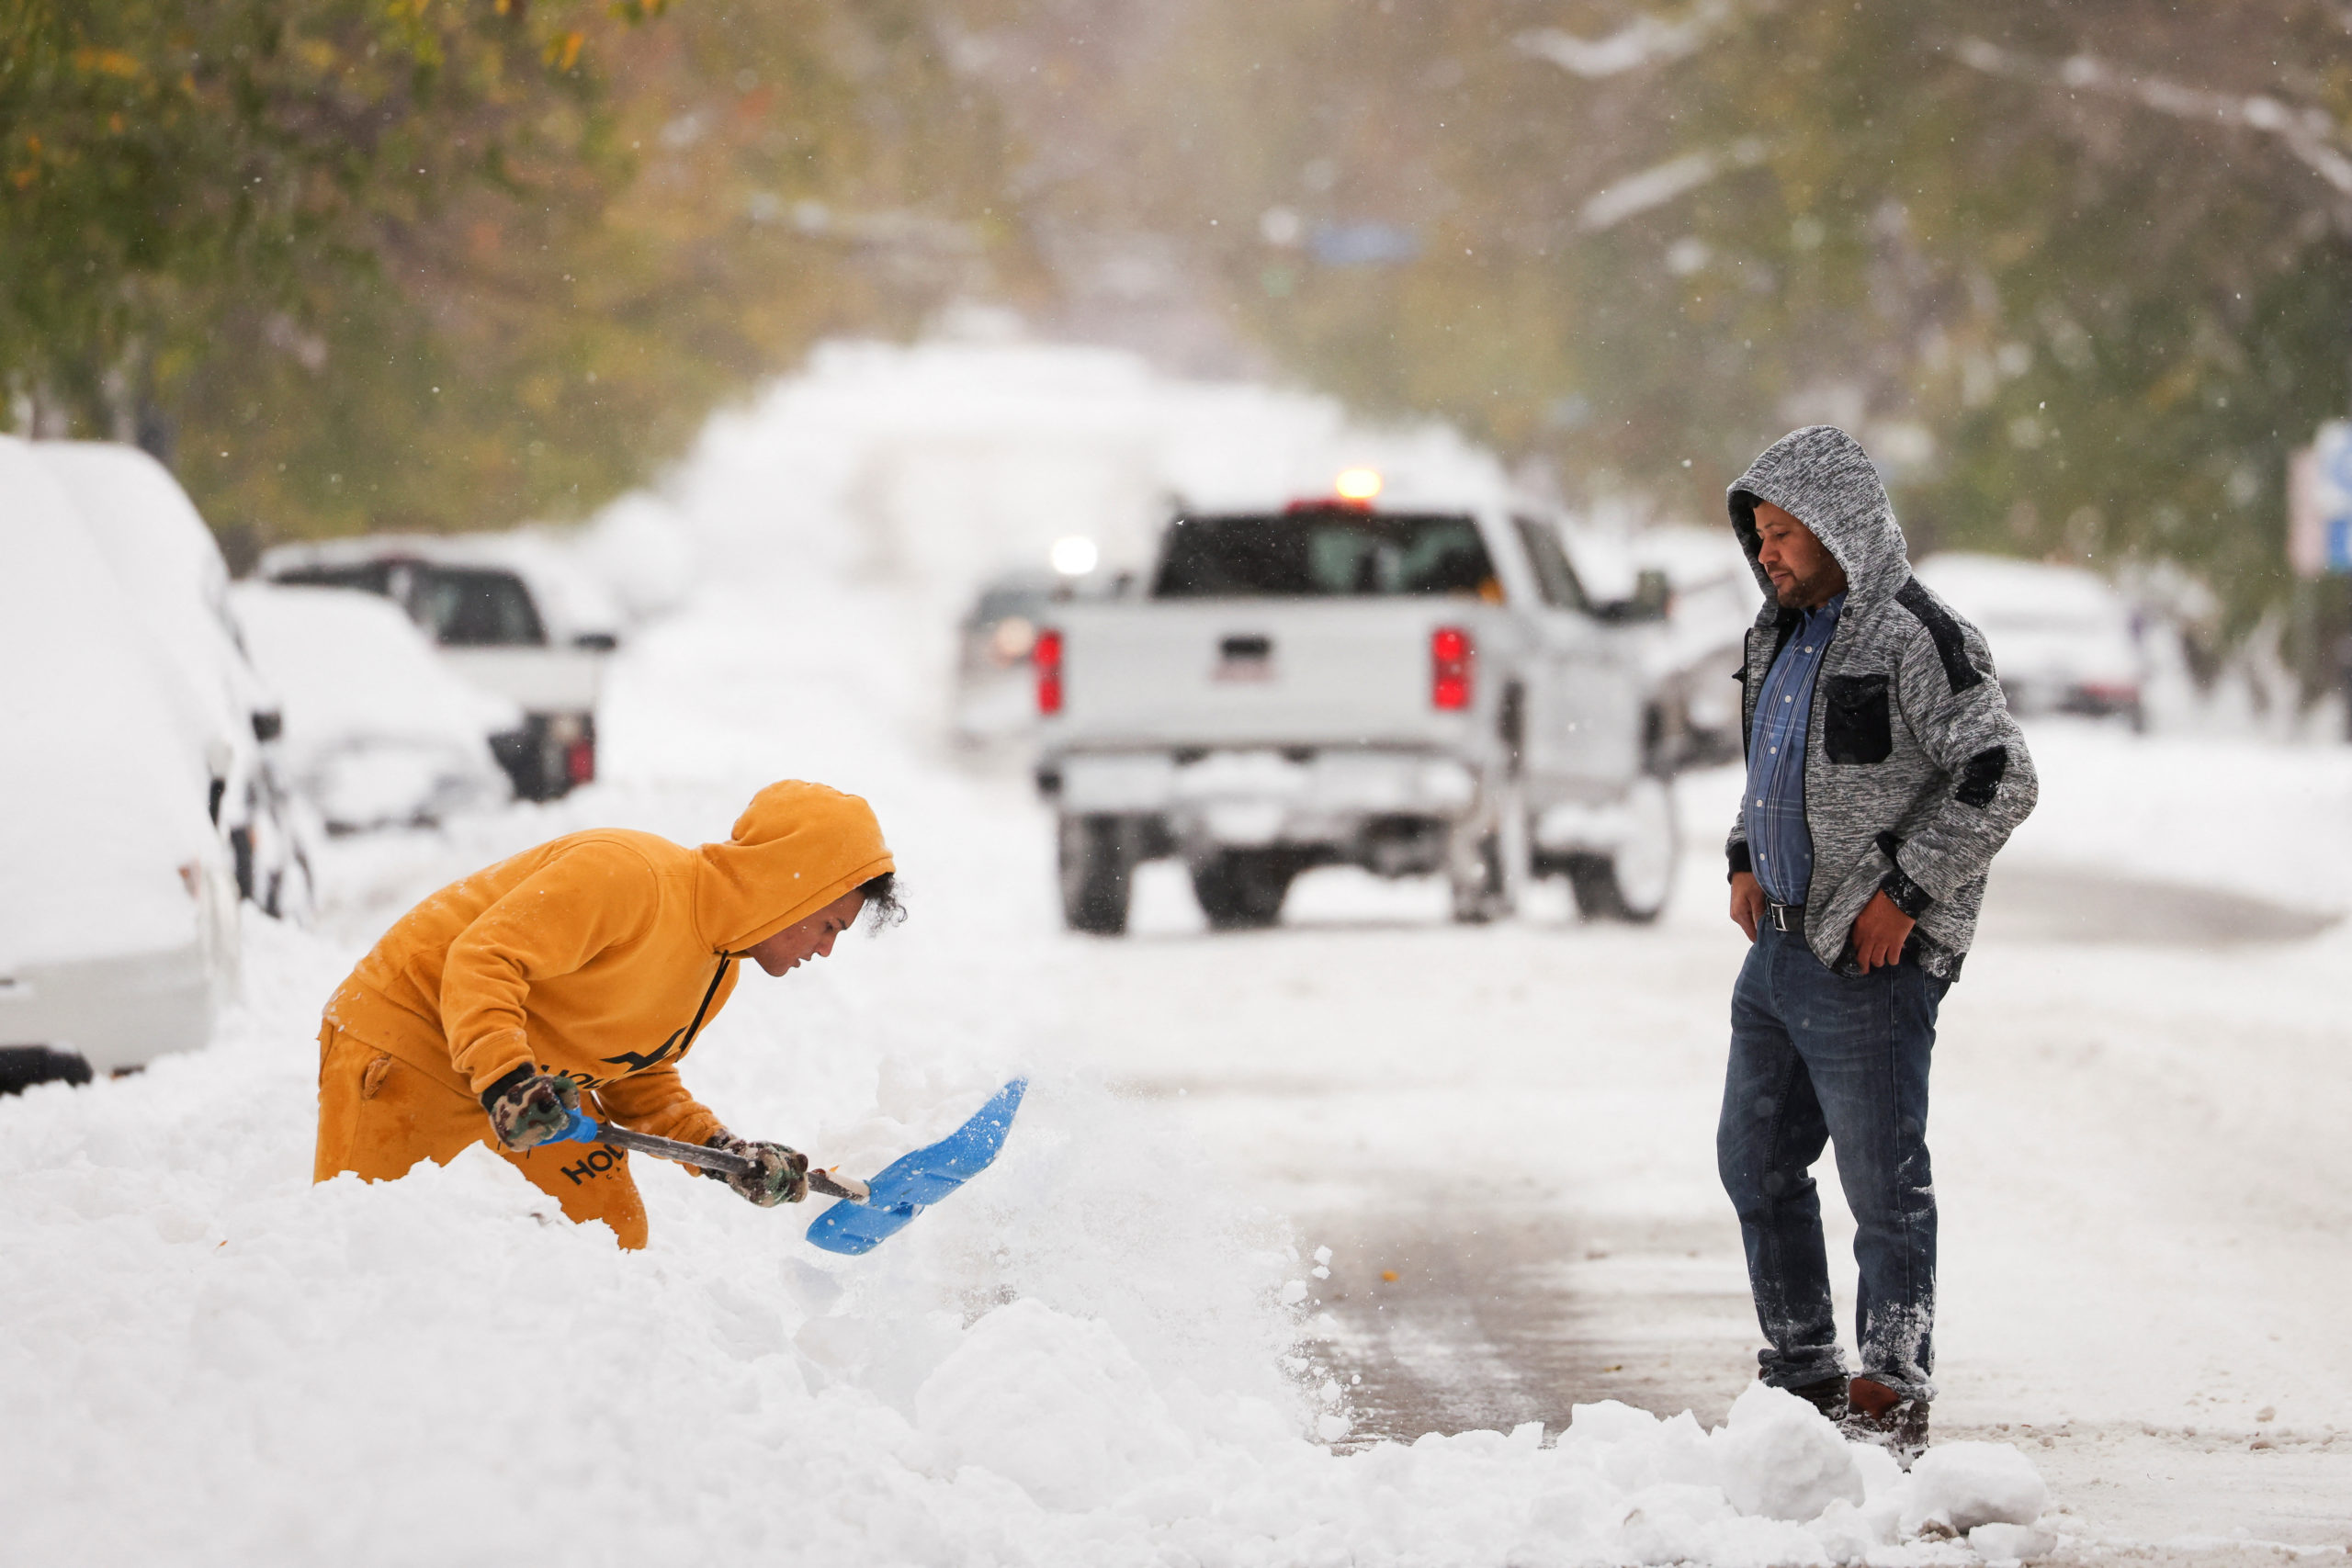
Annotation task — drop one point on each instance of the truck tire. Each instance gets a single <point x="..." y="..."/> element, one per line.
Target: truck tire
<point x="1097" y="866"/>
<point x="1633" y="882"/>
<point x="1243" y="889"/>
<point x="1487" y="882"/>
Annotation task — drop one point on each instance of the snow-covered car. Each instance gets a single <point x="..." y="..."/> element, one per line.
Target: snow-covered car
<point x="117" y="897"/>
<point x="507" y="614"/>
<point x="995" y="693"/>
<point x="2064" y="640"/>
<point x="1415" y="692"/>
<point x="1708" y="596"/>
<point x="171" y="568"/>
<point x="994" y="698"/>
<point x="378" y="732"/>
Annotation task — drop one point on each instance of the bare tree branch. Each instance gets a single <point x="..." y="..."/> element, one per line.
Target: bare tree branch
<point x="2311" y="134"/>
<point x="1645" y="40"/>
<point x="1663" y="183"/>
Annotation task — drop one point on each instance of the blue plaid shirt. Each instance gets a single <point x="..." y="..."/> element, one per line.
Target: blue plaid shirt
<point x="1777" y="840"/>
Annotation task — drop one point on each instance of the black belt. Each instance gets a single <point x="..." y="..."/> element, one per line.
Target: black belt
<point x="1785" y="917"/>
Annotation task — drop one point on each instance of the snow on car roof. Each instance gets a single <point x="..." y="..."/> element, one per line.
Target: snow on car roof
<point x="353" y="666"/>
<point x="570" y="598"/>
<point x="171" y="568"/>
<point x="1983" y="586"/>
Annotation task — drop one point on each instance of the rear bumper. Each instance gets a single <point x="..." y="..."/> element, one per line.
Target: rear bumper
<point x="538" y="679"/>
<point x="1250" y="798"/>
<point x="113" y="1012"/>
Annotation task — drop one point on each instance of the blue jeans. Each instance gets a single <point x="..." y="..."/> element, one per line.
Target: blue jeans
<point x="1819" y="1058"/>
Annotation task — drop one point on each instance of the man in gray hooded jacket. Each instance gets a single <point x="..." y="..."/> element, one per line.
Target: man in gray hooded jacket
<point x="1883" y="771"/>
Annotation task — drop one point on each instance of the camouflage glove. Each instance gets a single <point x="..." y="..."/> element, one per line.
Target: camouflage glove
<point x="528" y="1107"/>
<point x="783" y="1176"/>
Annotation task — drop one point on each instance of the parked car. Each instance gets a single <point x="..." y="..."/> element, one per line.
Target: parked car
<point x="995" y="691"/>
<point x="171" y="568"/>
<point x="2064" y="640"/>
<point x="1709" y="599"/>
<point x="378" y="732"/>
<point x="1416" y="693"/>
<point x="506" y="618"/>
<point x="117" y="897"/>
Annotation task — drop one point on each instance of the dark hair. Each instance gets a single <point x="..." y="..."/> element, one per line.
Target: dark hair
<point x="881" y="894"/>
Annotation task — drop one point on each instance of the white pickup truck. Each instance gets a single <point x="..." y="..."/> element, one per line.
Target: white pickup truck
<point x="1416" y="693"/>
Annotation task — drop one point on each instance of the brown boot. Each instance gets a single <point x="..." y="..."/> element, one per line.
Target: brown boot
<point x="1828" y="1396"/>
<point x="1876" y="1414"/>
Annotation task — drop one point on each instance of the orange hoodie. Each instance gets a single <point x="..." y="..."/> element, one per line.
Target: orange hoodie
<point x="604" y="954"/>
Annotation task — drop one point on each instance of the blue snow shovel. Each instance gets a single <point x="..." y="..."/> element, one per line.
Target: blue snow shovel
<point x="866" y="1215"/>
<point x="915" y="1181"/>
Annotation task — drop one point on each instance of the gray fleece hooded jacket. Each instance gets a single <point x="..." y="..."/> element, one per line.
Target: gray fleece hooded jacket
<point x="1915" y="774"/>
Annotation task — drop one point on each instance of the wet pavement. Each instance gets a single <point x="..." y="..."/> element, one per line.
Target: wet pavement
<point x="1472" y="1310"/>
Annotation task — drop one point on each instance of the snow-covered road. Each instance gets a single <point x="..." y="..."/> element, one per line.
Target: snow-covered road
<point x="2147" y="1196"/>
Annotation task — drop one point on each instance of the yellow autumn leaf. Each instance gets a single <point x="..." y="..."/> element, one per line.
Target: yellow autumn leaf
<point x="108" y="62"/>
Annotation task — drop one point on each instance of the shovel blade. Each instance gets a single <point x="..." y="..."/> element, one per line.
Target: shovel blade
<point x="915" y="1181"/>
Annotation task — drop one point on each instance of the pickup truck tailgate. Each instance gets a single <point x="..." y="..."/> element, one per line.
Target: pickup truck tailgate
<point x="1258" y="671"/>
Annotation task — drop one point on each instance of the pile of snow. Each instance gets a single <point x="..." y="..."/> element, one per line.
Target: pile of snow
<point x="940" y="465"/>
<point x="211" y="1361"/>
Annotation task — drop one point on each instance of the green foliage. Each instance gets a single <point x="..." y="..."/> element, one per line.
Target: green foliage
<point x="452" y="264"/>
<point x="166" y="162"/>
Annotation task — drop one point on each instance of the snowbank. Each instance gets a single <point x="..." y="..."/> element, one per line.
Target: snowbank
<point x="2269" y="820"/>
<point x="211" y="1362"/>
<point x="940" y="465"/>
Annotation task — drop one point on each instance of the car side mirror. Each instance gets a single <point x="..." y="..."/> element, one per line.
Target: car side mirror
<point x="596" y="642"/>
<point x="268" y="724"/>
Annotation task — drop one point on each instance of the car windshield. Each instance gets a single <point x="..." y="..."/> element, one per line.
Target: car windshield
<point x="1324" y="553"/>
<point x="457" y="606"/>
<point x="465" y="607"/>
<point x="998" y="604"/>
<point x="368" y="577"/>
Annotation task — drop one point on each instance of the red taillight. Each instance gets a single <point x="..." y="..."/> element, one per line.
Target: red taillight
<point x="1452" y="659"/>
<point x="1047" y="655"/>
<point x="580" y="761"/>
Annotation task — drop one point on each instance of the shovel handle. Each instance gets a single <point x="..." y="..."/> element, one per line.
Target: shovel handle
<point x="585" y="1131"/>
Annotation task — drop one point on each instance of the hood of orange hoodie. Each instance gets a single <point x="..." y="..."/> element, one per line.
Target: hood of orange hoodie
<point x="796" y="849"/>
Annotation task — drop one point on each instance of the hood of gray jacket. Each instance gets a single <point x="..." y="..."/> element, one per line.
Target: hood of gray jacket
<point x="1822" y="476"/>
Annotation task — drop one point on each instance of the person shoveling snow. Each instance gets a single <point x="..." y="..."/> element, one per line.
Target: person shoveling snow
<point x="572" y="980"/>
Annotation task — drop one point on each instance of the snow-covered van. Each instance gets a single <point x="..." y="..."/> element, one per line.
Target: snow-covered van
<point x="1415" y="692"/>
<point x="118" y="896"/>
<point x="507" y="616"/>
<point x="171" y="569"/>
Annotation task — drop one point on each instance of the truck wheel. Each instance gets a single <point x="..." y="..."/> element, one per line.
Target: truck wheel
<point x="1098" y="865"/>
<point x="1634" y="881"/>
<point x="1488" y="879"/>
<point x="1243" y="889"/>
